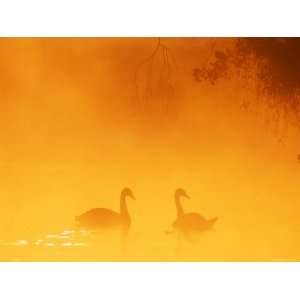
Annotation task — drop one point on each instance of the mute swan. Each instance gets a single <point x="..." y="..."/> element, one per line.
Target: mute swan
<point x="188" y="223"/>
<point x="103" y="218"/>
<point x="98" y="219"/>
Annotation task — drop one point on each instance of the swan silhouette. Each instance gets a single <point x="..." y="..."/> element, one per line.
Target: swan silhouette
<point x="189" y="223"/>
<point x="99" y="219"/>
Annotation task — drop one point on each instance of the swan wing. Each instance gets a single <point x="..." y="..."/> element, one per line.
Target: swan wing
<point x="195" y="218"/>
<point x="192" y="222"/>
<point x="99" y="218"/>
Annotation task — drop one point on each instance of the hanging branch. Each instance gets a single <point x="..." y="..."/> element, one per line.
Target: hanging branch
<point x="153" y="80"/>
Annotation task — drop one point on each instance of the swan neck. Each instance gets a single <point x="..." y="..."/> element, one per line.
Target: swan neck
<point x="123" y="206"/>
<point x="178" y="206"/>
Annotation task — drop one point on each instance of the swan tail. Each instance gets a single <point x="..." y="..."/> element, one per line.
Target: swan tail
<point x="213" y="221"/>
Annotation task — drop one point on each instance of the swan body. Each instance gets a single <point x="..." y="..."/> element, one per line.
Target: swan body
<point x="97" y="218"/>
<point x="193" y="222"/>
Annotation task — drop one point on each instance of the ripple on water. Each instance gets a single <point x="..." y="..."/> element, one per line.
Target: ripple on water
<point x="66" y="238"/>
<point x="38" y="242"/>
<point x="67" y="232"/>
<point x="79" y="244"/>
<point x="69" y="244"/>
<point x="18" y="243"/>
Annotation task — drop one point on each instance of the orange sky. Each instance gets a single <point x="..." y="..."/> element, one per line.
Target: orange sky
<point x="77" y="125"/>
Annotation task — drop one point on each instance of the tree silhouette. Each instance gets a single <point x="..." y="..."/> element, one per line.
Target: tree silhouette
<point x="271" y="64"/>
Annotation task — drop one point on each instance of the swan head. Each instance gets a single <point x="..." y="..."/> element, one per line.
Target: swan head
<point x="181" y="193"/>
<point x="127" y="192"/>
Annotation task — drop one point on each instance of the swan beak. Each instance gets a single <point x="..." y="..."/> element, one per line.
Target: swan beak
<point x="187" y="196"/>
<point x="132" y="196"/>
